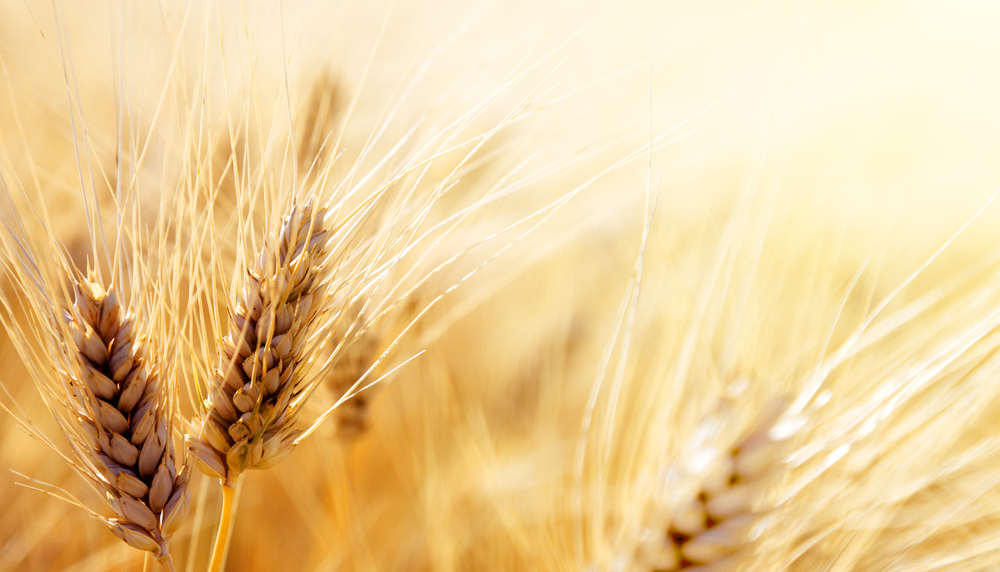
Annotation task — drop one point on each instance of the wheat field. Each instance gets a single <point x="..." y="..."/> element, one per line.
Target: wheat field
<point x="582" y="286"/>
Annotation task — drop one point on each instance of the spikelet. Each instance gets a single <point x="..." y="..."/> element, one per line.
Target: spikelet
<point x="118" y="403"/>
<point x="249" y="417"/>
<point x="708" y="530"/>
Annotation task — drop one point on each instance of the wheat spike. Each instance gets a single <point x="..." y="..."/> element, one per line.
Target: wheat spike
<point x="118" y="403"/>
<point x="359" y="347"/>
<point x="707" y="531"/>
<point x="249" y="417"/>
<point x="351" y="363"/>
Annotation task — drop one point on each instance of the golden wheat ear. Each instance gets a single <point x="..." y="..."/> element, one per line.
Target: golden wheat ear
<point x="357" y="351"/>
<point x="123" y="422"/>
<point x="353" y="360"/>
<point x="248" y="419"/>
<point x="708" y="530"/>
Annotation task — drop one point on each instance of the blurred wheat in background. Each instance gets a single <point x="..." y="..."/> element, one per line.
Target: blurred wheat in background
<point x="583" y="286"/>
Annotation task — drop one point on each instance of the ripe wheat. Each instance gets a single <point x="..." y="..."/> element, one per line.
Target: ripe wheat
<point x="353" y="361"/>
<point x="706" y="532"/>
<point x="249" y="418"/>
<point x="109" y="401"/>
<point x="498" y="450"/>
<point x="122" y="412"/>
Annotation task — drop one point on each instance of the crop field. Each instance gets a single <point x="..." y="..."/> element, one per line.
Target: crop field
<point x="551" y="285"/>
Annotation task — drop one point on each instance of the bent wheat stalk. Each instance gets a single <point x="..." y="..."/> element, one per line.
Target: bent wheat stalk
<point x="249" y="416"/>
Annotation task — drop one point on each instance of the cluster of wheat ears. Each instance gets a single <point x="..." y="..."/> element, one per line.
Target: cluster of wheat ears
<point x="479" y="291"/>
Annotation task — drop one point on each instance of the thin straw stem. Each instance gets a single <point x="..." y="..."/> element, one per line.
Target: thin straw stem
<point x="225" y="525"/>
<point x="167" y="562"/>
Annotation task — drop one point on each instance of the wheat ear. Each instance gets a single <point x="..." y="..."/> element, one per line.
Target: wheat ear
<point x="358" y="347"/>
<point x="352" y="417"/>
<point x="124" y="422"/>
<point x="708" y="531"/>
<point x="248" y="419"/>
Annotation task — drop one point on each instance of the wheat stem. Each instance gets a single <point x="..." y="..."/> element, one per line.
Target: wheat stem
<point x="225" y="524"/>
<point x="166" y="562"/>
<point x="196" y="526"/>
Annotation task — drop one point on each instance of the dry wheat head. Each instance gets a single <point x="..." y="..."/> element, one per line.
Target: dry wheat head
<point x="358" y="349"/>
<point x="249" y="417"/>
<point x="124" y="422"/>
<point x="707" y="531"/>
<point x="351" y="363"/>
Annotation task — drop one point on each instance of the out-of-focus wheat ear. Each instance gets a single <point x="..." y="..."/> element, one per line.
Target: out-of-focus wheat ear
<point x="710" y="530"/>
<point x="249" y="416"/>
<point x="123" y="420"/>
<point x="318" y="121"/>
<point x="363" y="337"/>
<point x="355" y="358"/>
